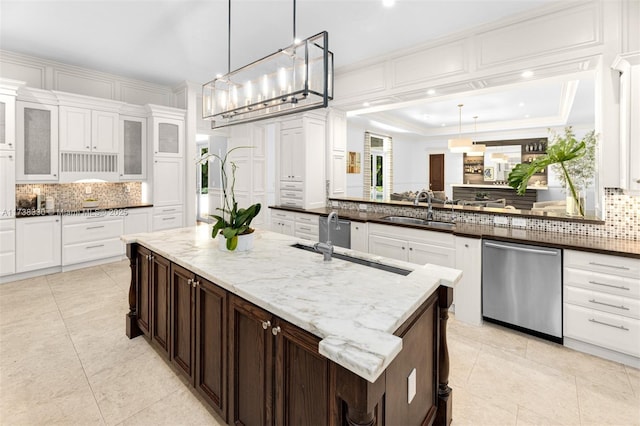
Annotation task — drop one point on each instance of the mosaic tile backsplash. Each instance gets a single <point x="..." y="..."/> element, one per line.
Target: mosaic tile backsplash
<point x="622" y="217"/>
<point x="71" y="195"/>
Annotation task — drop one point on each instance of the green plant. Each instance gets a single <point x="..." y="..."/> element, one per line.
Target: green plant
<point x="565" y="152"/>
<point x="234" y="221"/>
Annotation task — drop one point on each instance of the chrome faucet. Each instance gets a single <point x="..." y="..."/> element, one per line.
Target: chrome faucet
<point x="326" y="248"/>
<point x="429" y="206"/>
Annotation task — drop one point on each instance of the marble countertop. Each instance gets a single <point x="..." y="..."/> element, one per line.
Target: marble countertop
<point x="354" y="309"/>
<point x="602" y="245"/>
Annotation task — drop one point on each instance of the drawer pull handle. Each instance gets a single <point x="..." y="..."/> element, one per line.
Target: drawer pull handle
<point x="624" y="268"/>
<point x="168" y="210"/>
<point x="621" y="287"/>
<point x="96" y="246"/>
<point x="168" y="218"/>
<point x="621" y="327"/>
<point x="95" y="227"/>
<point x="608" y="304"/>
<point x="305" y="228"/>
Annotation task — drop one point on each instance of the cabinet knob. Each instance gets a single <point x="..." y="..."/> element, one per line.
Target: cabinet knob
<point x="95" y="147"/>
<point x="266" y="324"/>
<point x="402" y="248"/>
<point x="196" y="284"/>
<point x="190" y="282"/>
<point x="410" y="248"/>
<point x="275" y="330"/>
<point x="88" y="147"/>
<point x="466" y="245"/>
<point x="55" y="174"/>
<point x="11" y="157"/>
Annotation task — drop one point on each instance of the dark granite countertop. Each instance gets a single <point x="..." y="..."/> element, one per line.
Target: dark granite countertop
<point x="22" y="213"/>
<point x="602" y="245"/>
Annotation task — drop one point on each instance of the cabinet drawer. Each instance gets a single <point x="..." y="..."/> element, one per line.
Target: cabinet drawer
<point x="90" y="217"/>
<point x="305" y="236"/>
<point x="604" y="263"/>
<point x="83" y="252"/>
<point x="291" y="202"/>
<point x="602" y="301"/>
<point x="290" y="186"/>
<point x="287" y="193"/>
<point x="304" y="228"/>
<point x="167" y="221"/>
<point x="283" y="214"/>
<point x="602" y="329"/>
<point x="168" y="210"/>
<point x="92" y="231"/>
<point x="309" y="219"/>
<point x="606" y="283"/>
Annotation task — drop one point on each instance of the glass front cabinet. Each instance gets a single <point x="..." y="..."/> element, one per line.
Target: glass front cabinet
<point x="37" y="141"/>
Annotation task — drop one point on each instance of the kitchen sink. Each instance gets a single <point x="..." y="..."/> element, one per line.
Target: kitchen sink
<point x="417" y="221"/>
<point x="364" y="262"/>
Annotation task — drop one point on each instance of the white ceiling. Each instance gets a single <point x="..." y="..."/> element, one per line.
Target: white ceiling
<point x="169" y="41"/>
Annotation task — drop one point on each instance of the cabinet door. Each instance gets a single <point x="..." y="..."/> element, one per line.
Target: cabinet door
<point x="144" y="291"/>
<point x="467" y="294"/>
<point x="75" y="129"/>
<point x="211" y="348"/>
<point x="7" y="184"/>
<point x="250" y="364"/>
<point x="104" y="131"/>
<point x="37" y="142"/>
<point x="7" y="122"/>
<point x="7" y="247"/>
<point x="133" y="147"/>
<point x="359" y="237"/>
<point x="292" y="155"/>
<point x="38" y="243"/>
<point x="388" y="247"/>
<point x="421" y="253"/>
<point x="182" y="319"/>
<point x="168" y="181"/>
<point x="286" y="227"/>
<point x="302" y="378"/>
<point x="160" y="298"/>
<point x="168" y="137"/>
<point x="137" y="220"/>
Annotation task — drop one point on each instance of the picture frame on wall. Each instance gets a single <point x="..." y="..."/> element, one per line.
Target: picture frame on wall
<point x="353" y="162"/>
<point x="489" y="174"/>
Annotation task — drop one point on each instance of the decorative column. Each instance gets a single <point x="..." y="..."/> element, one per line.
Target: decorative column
<point x="132" y="318"/>
<point x="443" y="416"/>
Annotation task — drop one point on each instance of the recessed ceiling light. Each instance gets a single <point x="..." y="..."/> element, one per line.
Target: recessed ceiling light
<point x="443" y="124"/>
<point x="218" y="75"/>
<point x="296" y="41"/>
<point x="365" y="104"/>
<point x="388" y="3"/>
<point x="527" y="74"/>
<point x="431" y="92"/>
<point x="527" y="116"/>
<point x="521" y="104"/>
<point x="426" y="116"/>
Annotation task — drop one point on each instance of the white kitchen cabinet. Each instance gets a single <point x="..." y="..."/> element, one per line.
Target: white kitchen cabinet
<point x="167" y="217"/>
<point x="7" y="122"/>
<point x="168" y="181"/>
<point x="629" y="67"/>
<point x="601" y="295"/>
<point x="7" y="184"/>
<point x="412" y="245"/>
<point x="36" y="142"/>
<point x="306" y="226"/>
<point x="87" y="130"/>
<point x="467" y="294"/>
<point x="360" y="236"/>
<point x="283" y="221"/>
<point x="7" y="246"/>
<point x="138" y="220"/>
<point x="90" y="237"/>
<point x="168" y="137"/>
<point x="302" y="162"/>
<point x="133" y="148"/>
<point x="38" y="243"/>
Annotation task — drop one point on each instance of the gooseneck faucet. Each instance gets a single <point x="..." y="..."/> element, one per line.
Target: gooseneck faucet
<point x="429" y="205"/>
<point x="326" y="248"/>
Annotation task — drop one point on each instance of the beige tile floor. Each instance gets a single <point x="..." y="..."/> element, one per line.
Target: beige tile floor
<point x="65" y="360"/>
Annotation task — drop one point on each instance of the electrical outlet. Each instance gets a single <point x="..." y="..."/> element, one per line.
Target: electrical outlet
<point x="411" y="386"/>
<point x="36" y="191"/>
<point x="519" y="222"/>
<point x="501" y="221"/>
<point x="87" y="190"/>
<point x="362" y="207"/>
<point x="127" y="188"/>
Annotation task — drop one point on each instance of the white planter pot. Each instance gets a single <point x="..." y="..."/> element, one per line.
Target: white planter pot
<point x="245" y="242"/>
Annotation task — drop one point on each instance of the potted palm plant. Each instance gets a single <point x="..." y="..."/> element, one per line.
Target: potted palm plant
<point x="570" y="159"/>
<point x="234" y="223"/>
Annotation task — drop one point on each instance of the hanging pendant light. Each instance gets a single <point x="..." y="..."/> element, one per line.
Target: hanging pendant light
<point x="476" y="149"/>
<point x="294" y="79"/>
<point x="460" y="144"/>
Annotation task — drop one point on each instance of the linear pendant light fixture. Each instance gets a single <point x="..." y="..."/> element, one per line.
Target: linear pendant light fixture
<point x="294" y="79"/>
<point x="476" y="149"/>
<point x="460" y="144"/>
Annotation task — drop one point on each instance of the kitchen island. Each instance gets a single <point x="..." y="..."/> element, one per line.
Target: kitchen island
<point x="276" y="335"/>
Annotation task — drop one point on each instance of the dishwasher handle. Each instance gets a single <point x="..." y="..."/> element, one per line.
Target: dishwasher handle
<point x="523" y="249"/>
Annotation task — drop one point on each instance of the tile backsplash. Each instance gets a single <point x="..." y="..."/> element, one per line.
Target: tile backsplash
<point x="622" y="217"/>
<point x="71" y="195"/>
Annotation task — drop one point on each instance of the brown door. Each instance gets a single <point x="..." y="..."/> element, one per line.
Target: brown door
<point x="160" y="302"/>
<point x="436" y="172"/>
<point x="182" y="319"/>
<point x="211" y="349"/>
<point x="143" y="305"/>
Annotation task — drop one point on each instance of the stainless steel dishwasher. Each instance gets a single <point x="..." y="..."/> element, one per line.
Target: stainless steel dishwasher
<point x="340" y="232"/>
<point x="522" y="287"/>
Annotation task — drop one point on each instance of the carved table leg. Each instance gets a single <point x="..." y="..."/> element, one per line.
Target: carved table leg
<point x="355" y="418"/>
<point x="443" y="416"/>
<point x="131" y="318"/>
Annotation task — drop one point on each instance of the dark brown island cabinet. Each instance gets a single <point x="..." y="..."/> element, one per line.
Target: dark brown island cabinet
<point x="254" y="368"/>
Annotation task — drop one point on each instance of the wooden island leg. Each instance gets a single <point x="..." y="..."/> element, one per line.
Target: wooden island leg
<point x="131" y="318"/>
<point x="443" y="416"/>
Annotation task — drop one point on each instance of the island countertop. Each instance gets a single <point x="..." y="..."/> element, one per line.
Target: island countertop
<point x="354" y="309"/>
